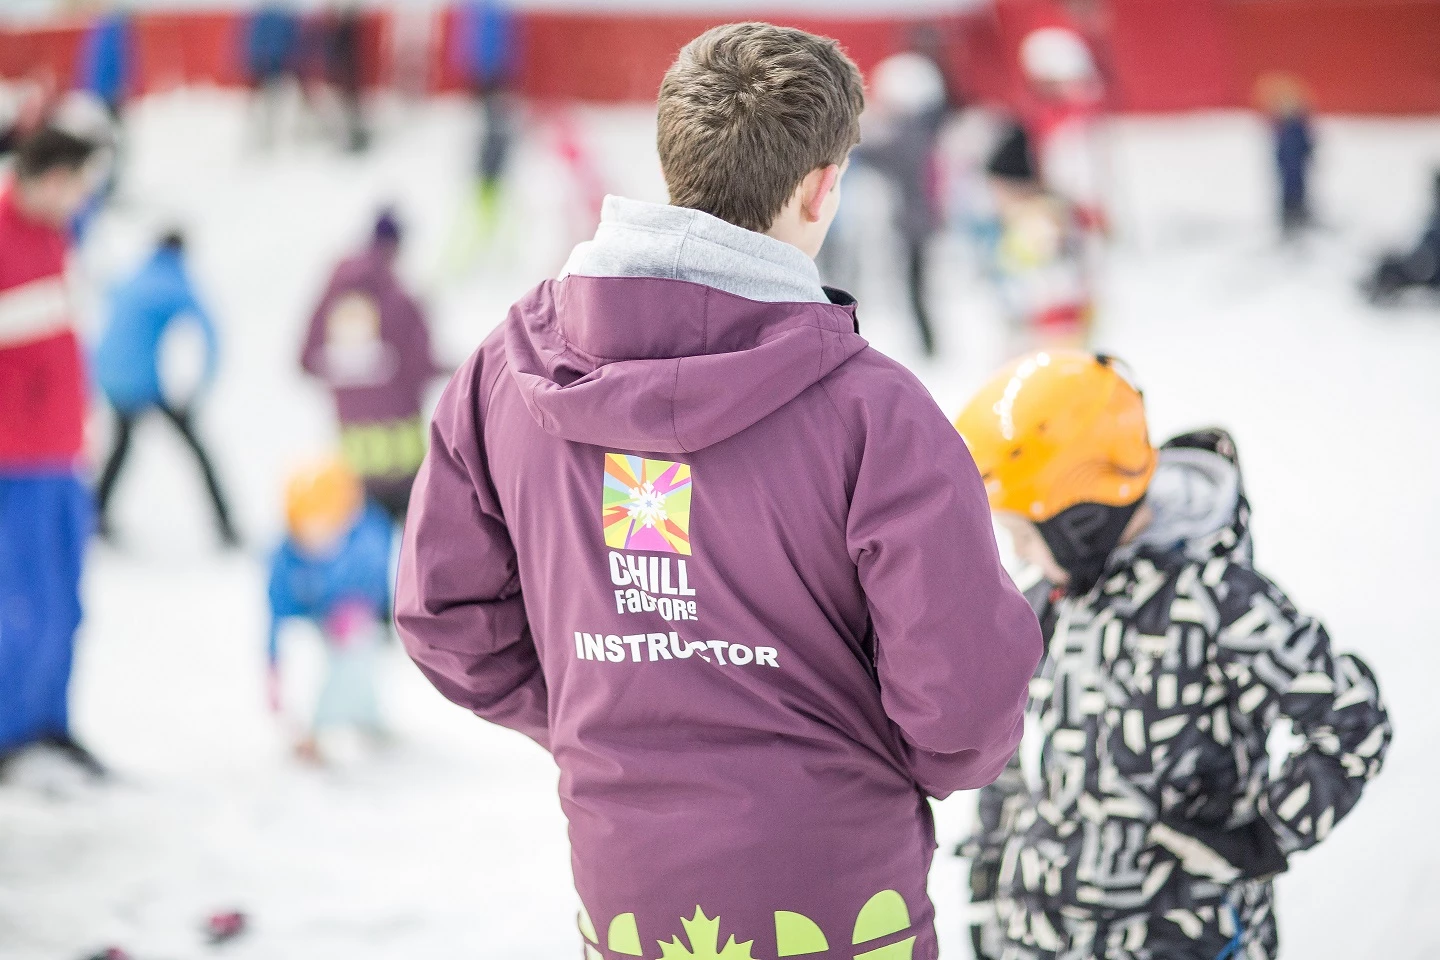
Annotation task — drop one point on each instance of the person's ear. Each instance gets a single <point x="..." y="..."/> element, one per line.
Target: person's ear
<point x="824" y="180"/>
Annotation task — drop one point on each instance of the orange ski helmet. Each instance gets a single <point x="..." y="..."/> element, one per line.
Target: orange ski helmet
<point x="322" y="500"/>
<point x="1059" y="428"/>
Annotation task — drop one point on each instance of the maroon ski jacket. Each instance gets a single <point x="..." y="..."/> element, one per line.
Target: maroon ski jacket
<point x="735" y="570"/>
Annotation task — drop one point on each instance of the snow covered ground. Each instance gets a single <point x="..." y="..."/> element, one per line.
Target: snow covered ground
<point x="451" y="843"/>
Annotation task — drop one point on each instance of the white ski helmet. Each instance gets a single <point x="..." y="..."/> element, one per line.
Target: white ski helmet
<point x="908" y="83"/>
<point x="1056" y="55"/>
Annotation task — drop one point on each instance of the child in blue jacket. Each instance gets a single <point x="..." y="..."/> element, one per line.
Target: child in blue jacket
<point x="143" y="310"/>
<point x="333" y="569"/>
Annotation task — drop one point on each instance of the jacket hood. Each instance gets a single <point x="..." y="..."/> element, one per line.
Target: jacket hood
<point x="638" y="239"/>
<point x="673" y="330"/>
<point x="669" y="366"/>
<point x="1197" y="499"/>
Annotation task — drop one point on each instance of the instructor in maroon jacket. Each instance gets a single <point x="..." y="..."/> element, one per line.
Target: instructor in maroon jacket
<point x="369" y="342"/>
<point x="682" y="526"/>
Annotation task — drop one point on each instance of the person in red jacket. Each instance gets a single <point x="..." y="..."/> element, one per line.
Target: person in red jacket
<point x="45" y="510"/>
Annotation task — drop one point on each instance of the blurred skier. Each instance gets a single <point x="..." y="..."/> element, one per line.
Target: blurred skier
<point x="333" y="569"/>
<point x="486" y="38"/>
<point x="106" y="61"/>
<point x="272" y="39"/>
<point x="1419" y="268"/>
<point x="369" y="342"/>
<point x="343" y="53"/>
<point x="1039" y="255"/>
<point x="142" y="311"/>
<point x="1284" y="100"/>
<point x="1156" y="819"/>
<point x="45" y="510"/>
<point x="1046" y="179"/>
<point x="900" y="143"/>
<point x="1060" y="113"/>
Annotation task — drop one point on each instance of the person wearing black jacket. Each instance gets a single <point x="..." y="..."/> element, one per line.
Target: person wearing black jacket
<point x="1418" y="268"/>
<point x="1153" y="820"/>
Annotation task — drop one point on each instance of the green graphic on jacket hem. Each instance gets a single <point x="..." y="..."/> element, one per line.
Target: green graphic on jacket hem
<point x="903" y="950"/>
<point x="797" y="935"/>
<point x="624" y="936"/>
<point x="704" y="935"/>
<point x="587" y="930"/>
<point x="883" y="914"/>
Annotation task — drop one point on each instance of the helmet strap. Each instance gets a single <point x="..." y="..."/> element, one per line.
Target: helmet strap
<point x="1082" y="537"/>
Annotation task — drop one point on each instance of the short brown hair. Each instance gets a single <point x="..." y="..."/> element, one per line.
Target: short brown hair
<point x="746" y="111"/>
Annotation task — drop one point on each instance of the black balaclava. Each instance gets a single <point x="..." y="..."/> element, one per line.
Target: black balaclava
<point x="1082" y="537"/>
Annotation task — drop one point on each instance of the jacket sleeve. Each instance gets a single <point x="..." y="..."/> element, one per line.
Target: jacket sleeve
<point x="422" y="349"/>
<point x="194" y="308"/>
<point x="312" y="353"/>
<point x="458" y="606"/>
<point x="1281" y="669"/>
<point x="955" y="641"/>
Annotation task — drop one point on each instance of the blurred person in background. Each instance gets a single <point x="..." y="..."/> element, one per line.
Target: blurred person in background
<point x="1419" y="268"/>
<point x="369" y="342"/>
<point x="1151" y="817"/>
<point x="1062" y="106"/>
<point x="488" y="54"/>
<point x="483" y="49"/>
<point x="1283" y="98"/>
<point x="901" y="136"/>
<point x="106" y="61"/>
<point x="333" y="570"/>
<point x="1038" y="256"/>
<point x="344" y="61"/>
<point x="45" y="509"/>
<point x="272" y="38"/>
<point x="143" y="310"/>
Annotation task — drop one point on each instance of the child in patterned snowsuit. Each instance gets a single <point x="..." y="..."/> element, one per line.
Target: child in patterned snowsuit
<point x="1157" y="820"/>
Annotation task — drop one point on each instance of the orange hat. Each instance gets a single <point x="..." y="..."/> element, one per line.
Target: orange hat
<point x="322" y="500"/>
<point x="1058" y="428"/>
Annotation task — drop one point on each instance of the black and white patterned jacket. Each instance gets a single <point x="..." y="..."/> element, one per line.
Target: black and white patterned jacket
<point x="1155" y="821"/>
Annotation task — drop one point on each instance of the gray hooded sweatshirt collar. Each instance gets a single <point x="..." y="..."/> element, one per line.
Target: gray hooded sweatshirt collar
<point x="639" y="239"/>
<point x="1194" y="495"/>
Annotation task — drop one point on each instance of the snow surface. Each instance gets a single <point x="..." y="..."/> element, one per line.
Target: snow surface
<point x="451" y="842"/>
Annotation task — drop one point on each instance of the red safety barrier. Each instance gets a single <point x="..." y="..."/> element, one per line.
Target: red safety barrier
<point x="1170" y="55"/>
<point x="1361" y="56"/>
<point x="1354" y="56"/>
<point x="185" y="49"/>
<point x="47" y="53"/>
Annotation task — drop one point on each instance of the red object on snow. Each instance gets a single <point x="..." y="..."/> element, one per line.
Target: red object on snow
<point x="224" y="927"/>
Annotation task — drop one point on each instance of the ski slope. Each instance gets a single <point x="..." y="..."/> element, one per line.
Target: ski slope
<point x="450" y="842"/>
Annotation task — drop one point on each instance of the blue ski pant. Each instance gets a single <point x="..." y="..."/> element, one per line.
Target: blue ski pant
<point x="45" y="521"/>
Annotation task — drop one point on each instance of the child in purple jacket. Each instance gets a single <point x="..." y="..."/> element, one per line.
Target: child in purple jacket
<point x="369" y="342"/>
<point x="732" y="567"/>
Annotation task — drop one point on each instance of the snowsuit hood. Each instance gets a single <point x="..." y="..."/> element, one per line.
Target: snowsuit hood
<point x="1194" y="495"/>
<point x="714" y="329"/>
